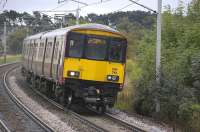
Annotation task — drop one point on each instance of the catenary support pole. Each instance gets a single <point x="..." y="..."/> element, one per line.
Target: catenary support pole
<point x="77" y="15"/>
<point x="158" y="52"/>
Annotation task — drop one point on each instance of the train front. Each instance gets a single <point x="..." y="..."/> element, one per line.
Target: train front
<point x="94" y="66"/>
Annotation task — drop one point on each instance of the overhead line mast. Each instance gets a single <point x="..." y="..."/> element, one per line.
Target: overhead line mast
<point x="158" y="47"/>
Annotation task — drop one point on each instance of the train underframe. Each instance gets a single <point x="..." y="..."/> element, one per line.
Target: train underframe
<point x="76" y="91"/>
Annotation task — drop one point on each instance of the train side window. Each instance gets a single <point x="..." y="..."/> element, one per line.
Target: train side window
<point x="56" y="50"/>
<point x="35" y="50"/>
<point x="28" y="49"/>
<point x="76" y="44"/>
<point x="48" y="50"/>
<point x="24" y="49"/>
<point x="41" y="47"/>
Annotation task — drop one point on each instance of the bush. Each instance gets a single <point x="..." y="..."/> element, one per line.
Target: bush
<point x="127" y="95"/>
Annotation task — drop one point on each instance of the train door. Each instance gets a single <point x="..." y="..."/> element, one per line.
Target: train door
<point x="48" y="57"/>
<point x="30" y="55"/>
<point x="44" y="54"/>
<point x="52" y="71"/>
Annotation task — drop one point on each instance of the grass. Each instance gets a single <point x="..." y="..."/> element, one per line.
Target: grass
<point x="126" y="97"/>
<point x="10" y="58"/>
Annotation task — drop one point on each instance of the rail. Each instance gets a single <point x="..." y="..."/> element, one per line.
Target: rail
<point x="27" y="111"/>
<point x="3" y="127"/>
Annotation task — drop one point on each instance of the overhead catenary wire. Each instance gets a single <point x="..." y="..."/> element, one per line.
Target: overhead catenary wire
<point x="58" y="6"/>
<point x="96" y="3"/>
<point x="143" y="6"/>
<point x="125" y="6"/>
<point x="5" y="3"/>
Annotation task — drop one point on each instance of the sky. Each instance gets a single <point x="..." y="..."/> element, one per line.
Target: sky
<point x="106" y="7"/>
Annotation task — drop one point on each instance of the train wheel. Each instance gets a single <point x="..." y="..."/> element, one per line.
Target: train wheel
<point x="33" y="83"/>
<point x="49" y="89"/>
<point x="43" y="86"/>
<point x="37" y="83"/>
<point x="101" y="108"/>
<point x="68" y="98"/>
<point x="58" y="93"/>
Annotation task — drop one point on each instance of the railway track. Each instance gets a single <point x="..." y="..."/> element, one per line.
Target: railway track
<point x="25" y="109"/>
<point x="84" y="119"/>
<point x="120" y="121"/>
<point x="88" y="122"/>
<point x="128" y="125"/>
<point x="81" y="118"/>
<point x="74" y="114"/>
<point x="3" y="127"/>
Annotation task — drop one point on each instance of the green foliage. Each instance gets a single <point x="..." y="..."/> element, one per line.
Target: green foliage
<point x="133" y="73"/>
<point x="180" y="83"/>
<point x="145" y="85"/>
<point x="10" y="58"/>
<point x="15" y="41"/>
<point x="133" y="70"/>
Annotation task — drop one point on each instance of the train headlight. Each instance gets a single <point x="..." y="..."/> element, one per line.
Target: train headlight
<point x="75" y="74"/>
<point x="112" y="78"/>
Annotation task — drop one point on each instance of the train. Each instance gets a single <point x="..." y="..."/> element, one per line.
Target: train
<point x="81" y="64"/>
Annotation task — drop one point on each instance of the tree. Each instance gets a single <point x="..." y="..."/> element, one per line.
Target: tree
<point x="15" y="41"/>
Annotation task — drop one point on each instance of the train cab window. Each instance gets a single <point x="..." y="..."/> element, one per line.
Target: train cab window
<point x="76" y="43"/>
<point x="96" y="48"/>
<point x="117" y="50"/>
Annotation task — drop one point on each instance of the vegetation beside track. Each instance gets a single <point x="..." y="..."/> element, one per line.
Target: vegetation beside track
<point x="10" y="58"/>
<point x="180" y="80"/>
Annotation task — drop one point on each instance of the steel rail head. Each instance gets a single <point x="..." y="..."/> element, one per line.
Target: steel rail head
<point x="26" y="110"/>
<point x="74" y="114"/>
<point x="3" y="127"/>
<point x="126" y="124"/>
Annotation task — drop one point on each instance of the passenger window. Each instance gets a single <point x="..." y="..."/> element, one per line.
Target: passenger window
<point x="48" y="50"/>
<point x="35" y="50"/>
<point x="56" y="51"/>
<point x="41" y="48"/>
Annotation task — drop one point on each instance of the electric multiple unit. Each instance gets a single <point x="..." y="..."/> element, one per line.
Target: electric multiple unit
<point x="78" y="64"/>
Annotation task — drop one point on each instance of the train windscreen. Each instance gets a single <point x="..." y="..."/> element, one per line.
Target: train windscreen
<point x="96" y="47"/>
<point x="117" y="50"/>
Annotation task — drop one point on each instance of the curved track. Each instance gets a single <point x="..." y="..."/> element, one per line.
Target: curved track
<point x="120" y="121"/>
<point x="126" y="124"/>
<point x="90" y="119"/>
<point x="86" y="119"/>
<point x="89" y="122"/>
<point x="3" y="127"/>
<point x="35" y="123"/>
<point x="74" y="114"/>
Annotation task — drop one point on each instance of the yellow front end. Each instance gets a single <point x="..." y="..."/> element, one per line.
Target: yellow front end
<point x="93" y="70"/>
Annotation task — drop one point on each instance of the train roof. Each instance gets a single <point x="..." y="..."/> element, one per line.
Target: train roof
<point x="35" y="36"/>
<point x="63" y="31"/>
